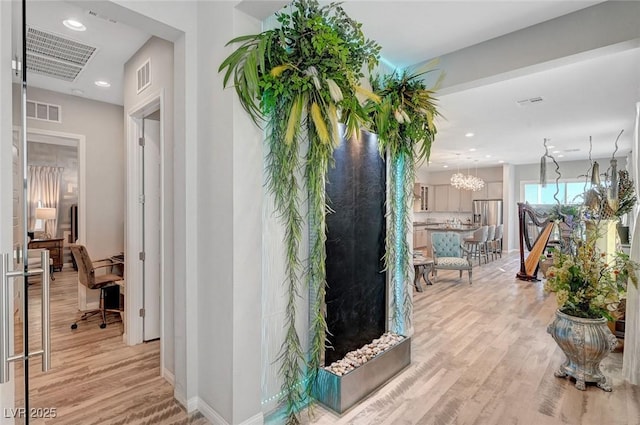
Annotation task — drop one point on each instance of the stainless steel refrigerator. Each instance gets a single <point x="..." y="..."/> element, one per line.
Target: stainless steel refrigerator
<point x="487" y="212"/>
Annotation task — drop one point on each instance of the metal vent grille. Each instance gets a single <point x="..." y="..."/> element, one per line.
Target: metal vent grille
<point x="54" y="56"/>
<point x="144" y="75"/>
<point x="44" y="111"/>
<point x="51" y="68"/>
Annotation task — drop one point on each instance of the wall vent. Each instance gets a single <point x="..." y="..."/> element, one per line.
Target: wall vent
<point x="144" y="75"/>
<point x="44" y="111"/>
<point x="530" y="101"/>
<point x="55" y="56"/>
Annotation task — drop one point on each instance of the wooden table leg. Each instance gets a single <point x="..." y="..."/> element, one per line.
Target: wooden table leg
<point x="416" y="280"/>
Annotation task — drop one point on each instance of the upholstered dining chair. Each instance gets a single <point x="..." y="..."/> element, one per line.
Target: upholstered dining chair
<point x="449" y="254"/>
<point x="106" y="283"/>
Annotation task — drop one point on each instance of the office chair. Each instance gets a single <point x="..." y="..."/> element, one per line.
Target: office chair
<point x="105" y="282"/>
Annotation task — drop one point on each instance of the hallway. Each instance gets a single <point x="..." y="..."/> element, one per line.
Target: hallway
<point x="95" y="378"/>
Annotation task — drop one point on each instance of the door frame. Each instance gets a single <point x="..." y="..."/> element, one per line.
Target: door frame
<point x="79" y="141"/>
<point x="133" y="220"/>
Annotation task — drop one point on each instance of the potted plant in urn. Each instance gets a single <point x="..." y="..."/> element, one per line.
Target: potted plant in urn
<point x="590" y="282"/>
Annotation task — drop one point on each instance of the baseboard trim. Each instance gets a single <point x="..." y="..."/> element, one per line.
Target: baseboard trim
<point x="257" y="419"/>
<point x="215" y="418"/>
<point x="192" y="404"/>
<point x="209" y="413"/>
<point x="168" y="376"/>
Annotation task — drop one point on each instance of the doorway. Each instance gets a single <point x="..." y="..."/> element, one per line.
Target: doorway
<point x="151" y="224"/>
<point x="146" y="222"/>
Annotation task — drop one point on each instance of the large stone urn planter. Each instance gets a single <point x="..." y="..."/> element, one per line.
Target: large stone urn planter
<point x="585" y="342"/>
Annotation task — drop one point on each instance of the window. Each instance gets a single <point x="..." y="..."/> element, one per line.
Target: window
<point x="568" y="193"/>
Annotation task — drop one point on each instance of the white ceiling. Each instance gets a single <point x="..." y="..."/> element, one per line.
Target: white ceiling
<point x="115" y="42"/>
<point x="413" y="31"/>
<point x="592" y="97"/>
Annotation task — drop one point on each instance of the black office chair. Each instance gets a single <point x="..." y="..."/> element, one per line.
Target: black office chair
<point x="109" y="290"/>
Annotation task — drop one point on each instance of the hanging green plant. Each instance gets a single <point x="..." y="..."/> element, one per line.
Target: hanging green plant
<point x="300" y="80"/>
<point x="404" y="123"/>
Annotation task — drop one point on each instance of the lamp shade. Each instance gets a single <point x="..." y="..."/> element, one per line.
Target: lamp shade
<point x="45" y="213"/>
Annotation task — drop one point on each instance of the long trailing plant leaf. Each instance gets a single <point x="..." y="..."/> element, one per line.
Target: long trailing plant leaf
<point x="404" y="122"/>
<point x="311" y="63"/>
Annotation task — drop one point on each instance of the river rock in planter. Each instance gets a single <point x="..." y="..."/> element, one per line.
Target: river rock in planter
<point x="356" y="358"/>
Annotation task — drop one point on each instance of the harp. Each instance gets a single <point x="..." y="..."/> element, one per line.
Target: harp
<point x="535" y="230"/>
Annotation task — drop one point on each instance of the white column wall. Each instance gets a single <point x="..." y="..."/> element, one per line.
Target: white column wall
<point x="6" y="188"/>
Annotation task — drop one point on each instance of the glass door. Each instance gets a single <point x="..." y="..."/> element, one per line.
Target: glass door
<point x="24" y="283"/>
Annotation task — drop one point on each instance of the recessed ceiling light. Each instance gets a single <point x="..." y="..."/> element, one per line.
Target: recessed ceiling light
<point x="487" y="156"/>
<point x="445" y="166"/>
<point x="469" y="134"/>
<point x="102" y="83"/>
<point x="501" y="162"/>
<point x="72" y="24"/>
<point x="472" y="150"/>
<point x="77" y="91"/>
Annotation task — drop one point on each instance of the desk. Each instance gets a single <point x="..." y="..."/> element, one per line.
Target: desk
<point x="422" y="266"/>
<point x="54" y="246"/>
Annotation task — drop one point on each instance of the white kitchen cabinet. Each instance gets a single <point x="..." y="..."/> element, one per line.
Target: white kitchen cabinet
<point x="441" y="196"/>
<point x="466" y="202"/>
<point x="494" y="190"/>
<point x="480" y="194"/>
<point x="421" y="197"/>
<point x="453" y="200"/>
<point x="420" y="235"/>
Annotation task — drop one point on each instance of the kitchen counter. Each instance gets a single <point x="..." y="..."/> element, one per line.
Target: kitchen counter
<point x="422" y="234"/>
<point x="444" y="228"/>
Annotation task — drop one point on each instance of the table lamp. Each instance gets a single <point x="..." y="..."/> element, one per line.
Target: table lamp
<point x="46" y="214"/>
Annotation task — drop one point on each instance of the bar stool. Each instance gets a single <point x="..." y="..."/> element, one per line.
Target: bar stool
<point x="476" y="244"/>
<point x="491" y="235"/>
<point x="497" y="241"/>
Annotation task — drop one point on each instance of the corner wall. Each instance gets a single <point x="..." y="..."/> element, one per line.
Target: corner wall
<point x="160" y="54"/>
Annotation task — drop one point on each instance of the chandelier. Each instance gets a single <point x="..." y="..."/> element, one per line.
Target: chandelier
<point x="467" y="182"/>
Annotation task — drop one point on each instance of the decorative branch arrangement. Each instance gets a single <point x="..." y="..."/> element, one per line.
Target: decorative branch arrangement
<point x="404" y="123"/>
<point x="301" y="80"/>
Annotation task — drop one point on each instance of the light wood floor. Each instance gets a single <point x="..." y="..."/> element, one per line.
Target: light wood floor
<point x="95" y="377"/>
<point x="481" y="355"/>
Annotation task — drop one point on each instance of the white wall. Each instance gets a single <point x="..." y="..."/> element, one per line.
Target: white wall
<point x="6" y="177"/>
<point x="160" y="52"/>
<point x="101" y="123"/>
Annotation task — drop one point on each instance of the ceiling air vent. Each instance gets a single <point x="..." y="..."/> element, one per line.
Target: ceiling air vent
<point x="144" y="75"/>
<point x="529" y="101"/>
<point x="44" y="111"/>
<point x="55" y="56"/>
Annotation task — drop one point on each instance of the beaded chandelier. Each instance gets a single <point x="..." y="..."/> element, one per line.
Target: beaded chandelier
<point x="467" y="182"/>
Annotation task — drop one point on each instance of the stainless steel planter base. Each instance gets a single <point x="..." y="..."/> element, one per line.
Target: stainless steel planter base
<point x="339" y="393"/>
<point x="585" y="342"/>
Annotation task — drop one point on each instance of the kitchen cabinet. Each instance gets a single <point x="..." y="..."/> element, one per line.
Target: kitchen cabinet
<point x="441" y="200"/>
<point x="494" y="190"/>
<point x="420" y="236"/>
<point x="466" y="201"/>
<point x="449" y="199"/>
<point x="453" y="200"/>
<point x="480" y="194"/>
<point x="421" y="197"/>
